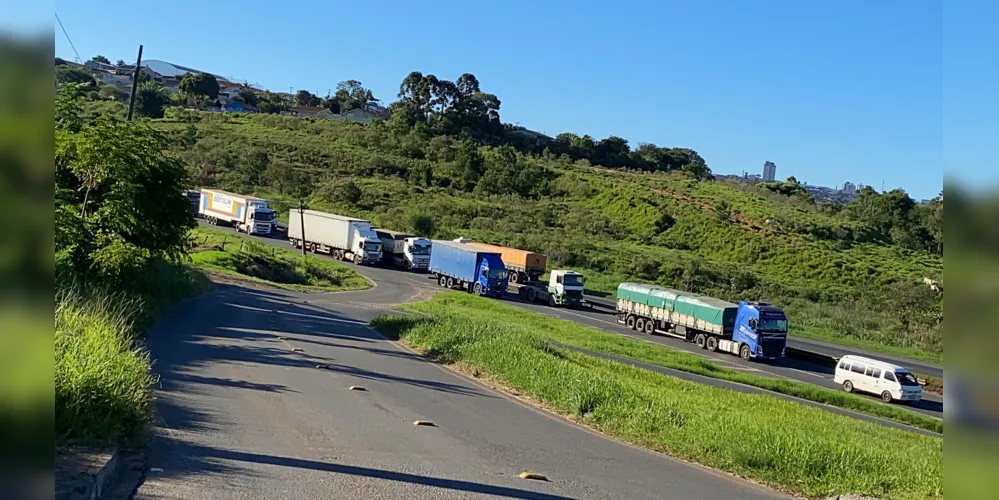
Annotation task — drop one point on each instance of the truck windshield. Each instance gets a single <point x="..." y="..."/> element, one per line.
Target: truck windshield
<point x="267" y="216"/>
<point x="773" y="325"/>
<point x="372" y="247"/>
<point x="420" y="250"/>
<point x="498" y="274"/>
<point x="572" y="280"/>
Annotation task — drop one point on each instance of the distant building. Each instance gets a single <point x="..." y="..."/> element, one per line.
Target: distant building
<point x="769" y="171"/>
<point x="849" y="187"/>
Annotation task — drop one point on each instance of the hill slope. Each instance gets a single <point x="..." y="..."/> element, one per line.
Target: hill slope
<point x="836" y="280"/>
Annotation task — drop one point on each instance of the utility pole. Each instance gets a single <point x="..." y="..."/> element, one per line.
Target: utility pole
<point x="301" y="220"/>
<point x="135" y="84"/>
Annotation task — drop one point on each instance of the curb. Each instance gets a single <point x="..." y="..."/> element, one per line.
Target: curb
<point x="95" y="485"/>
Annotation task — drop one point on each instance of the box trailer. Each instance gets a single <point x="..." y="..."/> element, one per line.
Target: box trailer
<point x="404" y="250"/>
<point x="749" y="329"/>
<point x="345" y="238"/>
<point x="521" y="264"/>
<point x="247" y="214"/>
<point x="457" y="265"/>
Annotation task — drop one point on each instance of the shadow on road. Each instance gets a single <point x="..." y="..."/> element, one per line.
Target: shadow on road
<point x="209" y="460"/>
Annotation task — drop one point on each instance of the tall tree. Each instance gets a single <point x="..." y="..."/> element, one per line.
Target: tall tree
<point x="306" y="98"/>
<point x="100" y="59"/>
<point x="200" y="84"/>
<point x="150" y="99"/>
<point x="351" y="94"/>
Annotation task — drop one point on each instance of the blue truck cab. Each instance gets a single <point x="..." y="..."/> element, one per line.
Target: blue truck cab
<point x="763" y="328"/>
<point x="457" y="265"/>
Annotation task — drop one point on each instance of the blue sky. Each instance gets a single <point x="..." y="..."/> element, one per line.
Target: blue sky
<point x="829" y="91"/>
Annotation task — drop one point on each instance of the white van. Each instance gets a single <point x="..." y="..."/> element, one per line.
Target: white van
<point x="889" y="381"/>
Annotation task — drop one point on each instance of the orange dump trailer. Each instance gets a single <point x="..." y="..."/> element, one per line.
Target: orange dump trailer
<point x="523" y="265"/>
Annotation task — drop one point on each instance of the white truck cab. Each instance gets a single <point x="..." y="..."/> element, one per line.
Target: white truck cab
<point x="891" y="382"/>
<point x="417" y="253"/>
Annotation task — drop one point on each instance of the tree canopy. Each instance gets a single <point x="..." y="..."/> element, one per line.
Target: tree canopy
<point x="202" y="84"/>
<point x="100" y="59"/>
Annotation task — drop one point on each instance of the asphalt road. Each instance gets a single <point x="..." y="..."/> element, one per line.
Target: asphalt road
<point x="604" y="319"/>
<point x="243" y="414"/>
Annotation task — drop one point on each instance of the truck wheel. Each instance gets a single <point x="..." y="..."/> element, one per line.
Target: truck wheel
<point x="700" y="340"/>
<point x="630" y="322"/>
<point x="514" y="277"/>
<point x="450" y="282"/>
<point x="848" y="386"/>
<point x="650" y="327"/>
<point x="886" y="397"/>
<point x="312" y="247"/>
<point x="745" y="353"/>
<point x="530" y="295"/>
<point x="551" y="300"/>
<point x="712" y="344"/>
<point x="640" y="324"/>
<point x="442" y="281"/>
<point x="478" y="289"/>
<point x="358" y="259"/>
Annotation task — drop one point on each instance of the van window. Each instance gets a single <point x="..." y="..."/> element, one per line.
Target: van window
<point x="869" y="372"/>
<point x="842" y="365"/>
<point x="877" y="373"/>
<point x="858" y="368"/>
<point x="890" y="376"/>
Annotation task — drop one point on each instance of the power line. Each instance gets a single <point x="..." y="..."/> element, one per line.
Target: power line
<point x="78" y="58"/>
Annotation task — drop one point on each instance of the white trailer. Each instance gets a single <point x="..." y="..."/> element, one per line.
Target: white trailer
<point x="345" y="238"/>
<point x="247" y="214"/>
<point x="405" y="250"/>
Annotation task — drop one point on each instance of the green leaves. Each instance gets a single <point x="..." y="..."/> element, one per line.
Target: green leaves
<point x="201" y="83"/>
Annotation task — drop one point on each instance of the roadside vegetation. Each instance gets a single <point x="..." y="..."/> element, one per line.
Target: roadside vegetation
<point x="120" y="227"/>
<point x="783" y="444"/>
<point x="223" y="253"/>
<point x="574" y="334"/>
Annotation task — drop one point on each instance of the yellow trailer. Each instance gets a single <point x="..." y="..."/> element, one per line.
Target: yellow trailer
<point x="522" y="265"/>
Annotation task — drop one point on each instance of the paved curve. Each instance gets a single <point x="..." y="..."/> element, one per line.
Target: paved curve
<point x="602" y="319"/>
<point x="243" y="415"/>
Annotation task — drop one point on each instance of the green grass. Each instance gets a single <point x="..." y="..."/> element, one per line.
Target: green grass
<point x="574" y="334"/>
<point x="779" y="443"/>
<point x="103" y="386"/>
<point x="834" y="337"/>
<point x="238" y="256"/>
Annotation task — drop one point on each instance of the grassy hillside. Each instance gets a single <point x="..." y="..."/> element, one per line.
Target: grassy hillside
<point x="837" y="280"/>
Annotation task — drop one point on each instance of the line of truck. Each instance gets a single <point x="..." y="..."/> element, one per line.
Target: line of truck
<point x="751" y="330"/>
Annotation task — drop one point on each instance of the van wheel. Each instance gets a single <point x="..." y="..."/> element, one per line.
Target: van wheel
<point x="442" y="281"/>
<point x="700" y="340"/>
<point x="650" y="327"/>
<point x="712" y="344"/>
<point x="630" y="322"/>
<point x="848" y="386"/>
<point x="745" y="353"/>
<point x="886" y="397"/>
<point x="478" y="289"/>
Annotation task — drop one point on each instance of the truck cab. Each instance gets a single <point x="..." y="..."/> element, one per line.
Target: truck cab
<point x="260" y="219"/>
<point x="762" y="328"/>
<point x="367" y="247"/>
<point x="566" y="287"/>
<point x="492" y="277"/>
<point x="417" y="253"/>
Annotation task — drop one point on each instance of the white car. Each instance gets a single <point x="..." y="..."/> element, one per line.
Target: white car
<point x="891" y="382"/>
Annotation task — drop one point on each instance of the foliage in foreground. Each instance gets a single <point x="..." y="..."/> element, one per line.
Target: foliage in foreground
<point x="574" y="334"/>
<point x="222" y="252"/>
<point x="783" y="444"/>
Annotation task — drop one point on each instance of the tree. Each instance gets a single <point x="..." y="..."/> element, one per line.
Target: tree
<point x="422" y="224"/>
<point x="150" y="99"/>
<point x="119" y="199"/>
<point x="282" y="176"/>
<point x="120" y="62"/>
<point x="247" y="96"/>
<point x="69" y="74"/>
<point x="351" y="95"/>
<point x="111" y="93"/>
<point x="306" y="98"/>
<point x="271" y="103"/>
<point x="100" y="59"/>
<point x="201" y="84"/>
<point x="67" y="107"/>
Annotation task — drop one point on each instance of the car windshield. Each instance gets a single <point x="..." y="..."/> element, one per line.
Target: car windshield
<point x="906" y="378"/>
<point x="420" y="250"/>
<point x="267" y="216"/>
<point x="773" y="325"/>
<point x="572" y="280"/>
<point x="498" y="274"/>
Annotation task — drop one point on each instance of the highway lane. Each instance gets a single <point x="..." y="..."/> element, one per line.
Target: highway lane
<point x="242" y="414"/>
<point x="836" y="351"/>
<point x="604" y="320"/>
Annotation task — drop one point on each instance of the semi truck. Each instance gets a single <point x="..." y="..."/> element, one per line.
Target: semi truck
<point x="404" y="250"/>
<point x="751" y="330"/>
<point x="345" y="238"/>
<point x="247" y="214"/>
<point x="462" y="266"/>
<point x="564" y="288"/>
<point x="521" y="264"/>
